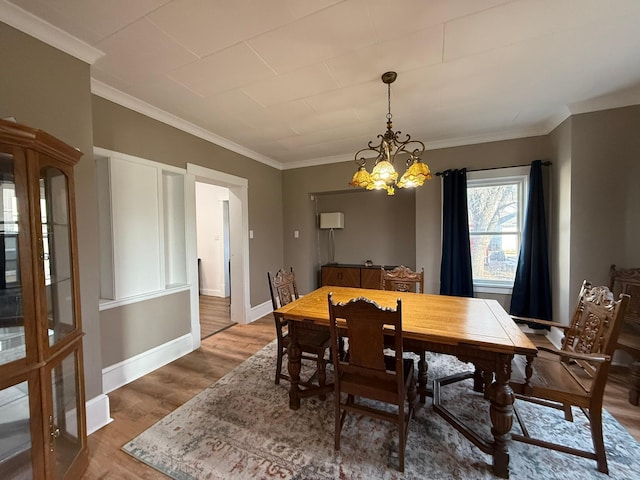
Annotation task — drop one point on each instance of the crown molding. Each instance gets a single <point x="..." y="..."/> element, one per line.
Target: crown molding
<point x="315" y="162"/>
<point x="619" y="99"/>
<point x="47" y="33"/>
<point x="555" y="120"/>
<point x="114" y="95"/>
<point x="448" y="143"/>
<point x="487" y="138"/>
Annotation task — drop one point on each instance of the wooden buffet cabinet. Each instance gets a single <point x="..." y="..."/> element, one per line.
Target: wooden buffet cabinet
<point x="42" y="403"/>
<point x="357" y="276"/>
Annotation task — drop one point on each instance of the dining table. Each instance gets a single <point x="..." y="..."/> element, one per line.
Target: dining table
<point x="474" y="330"/>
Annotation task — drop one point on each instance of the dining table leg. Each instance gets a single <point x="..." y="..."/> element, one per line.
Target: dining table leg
<point x="423" y="368"/>
<point x="501" y="412"/>
<point x="294" y="364"/>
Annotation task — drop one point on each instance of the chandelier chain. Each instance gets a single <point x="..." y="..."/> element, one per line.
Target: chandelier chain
<point x="388" y="101"/>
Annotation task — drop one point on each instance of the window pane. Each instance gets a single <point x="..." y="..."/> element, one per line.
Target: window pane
<point x="494" y="257"/>
<point x="493" y="208"/>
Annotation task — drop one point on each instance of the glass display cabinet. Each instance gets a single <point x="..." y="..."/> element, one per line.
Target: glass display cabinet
<point x="42" y="403"/>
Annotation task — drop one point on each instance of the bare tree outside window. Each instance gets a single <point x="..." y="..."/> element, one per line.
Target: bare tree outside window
<point x="495" y="227"/>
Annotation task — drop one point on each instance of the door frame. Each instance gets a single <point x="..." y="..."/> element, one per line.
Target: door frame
<point x="238" y="241"/>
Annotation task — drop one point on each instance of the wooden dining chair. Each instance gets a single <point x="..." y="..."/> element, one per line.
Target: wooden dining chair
<point x="627" y="280"/>
<point x="366" y="372"/>
<point x="403" y="279"/>
<point x="575" y="375"/>
<point x="313" y="341"/>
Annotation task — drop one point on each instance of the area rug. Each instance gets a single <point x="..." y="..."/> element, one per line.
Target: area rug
<point x="242" y="428"/>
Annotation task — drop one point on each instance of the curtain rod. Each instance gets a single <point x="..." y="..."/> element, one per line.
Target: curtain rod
<point x="546" y="163"/>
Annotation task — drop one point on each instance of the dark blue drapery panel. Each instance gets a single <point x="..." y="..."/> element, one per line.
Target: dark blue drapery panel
<point x="531" y="295"/>
<point x="455" y="269"/>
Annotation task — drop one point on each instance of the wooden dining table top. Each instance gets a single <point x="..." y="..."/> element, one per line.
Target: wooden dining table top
<point x="442" y="319"/>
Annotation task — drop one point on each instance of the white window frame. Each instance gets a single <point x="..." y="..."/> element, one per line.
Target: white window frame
<point x="495" y="177"/>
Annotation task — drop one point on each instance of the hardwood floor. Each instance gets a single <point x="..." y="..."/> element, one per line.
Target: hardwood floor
<point x="140" y="404"/>
<point x="214" y="315"/>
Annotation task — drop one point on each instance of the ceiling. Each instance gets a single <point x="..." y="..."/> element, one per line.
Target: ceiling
<point x="297" y="82"/>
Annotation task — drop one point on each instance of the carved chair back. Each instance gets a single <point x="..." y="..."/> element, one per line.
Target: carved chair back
<point x="627" y="280"/>
<point x="403" y="279"/>
<point x="594" y="329"/>
<point x="284" y="290"/>
<point x="576" y="374"/>
<point x="366" y="371"/>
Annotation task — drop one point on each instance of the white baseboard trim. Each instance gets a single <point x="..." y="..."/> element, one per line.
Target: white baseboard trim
<point x="115" y="376"/>
<point x="212" y="292"/>
<point x="260" y="311"/>
<point x="98" y="414"/>
<point x="555" y="336"/>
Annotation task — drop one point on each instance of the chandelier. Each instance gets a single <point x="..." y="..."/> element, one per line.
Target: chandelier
<point x="384" y="175"/>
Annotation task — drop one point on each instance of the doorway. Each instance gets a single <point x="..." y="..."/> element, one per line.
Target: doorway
<point x="212" y="233"/>
<point x="238" y="220"/>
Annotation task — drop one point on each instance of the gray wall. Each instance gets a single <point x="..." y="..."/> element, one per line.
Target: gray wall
<point x="593" y="201"/>
<point x="300" y="184"/>
<point x="429" y="197"/>
<point x="560" y="220"/>
<point x="45" y="88"/>
<point x="605" y="216"/>
<point x="299" y="214"/>
<point x="134" y="328"/>
<point x="123" y="130"/>
<point x="365" y="214"/>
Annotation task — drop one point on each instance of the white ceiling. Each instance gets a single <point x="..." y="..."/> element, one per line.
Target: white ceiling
<point x="297" y="82"/>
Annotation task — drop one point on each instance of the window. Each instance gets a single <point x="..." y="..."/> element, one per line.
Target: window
<point x="496" y="203"/>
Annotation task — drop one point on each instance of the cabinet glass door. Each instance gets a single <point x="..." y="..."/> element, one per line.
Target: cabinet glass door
<point x="64" y="422"/>
<point x="56" y="253"/>
<point x="12" y="333"/>
<point x="15" y="446"/>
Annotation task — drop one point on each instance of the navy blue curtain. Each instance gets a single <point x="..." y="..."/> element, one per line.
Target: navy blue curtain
<point x="531" y="295"/>
<point x="455" y="269"/>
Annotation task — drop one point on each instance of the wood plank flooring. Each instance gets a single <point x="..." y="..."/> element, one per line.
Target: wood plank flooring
<point x="140" y="404"/>
<point x="214" y="315"/>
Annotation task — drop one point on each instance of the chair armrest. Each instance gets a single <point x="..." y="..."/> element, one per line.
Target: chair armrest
<point x="546" y="323"/>
<point x="592" y="357"/>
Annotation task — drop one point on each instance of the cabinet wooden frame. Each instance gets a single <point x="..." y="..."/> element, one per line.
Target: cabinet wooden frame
<point x="30" y="151"/>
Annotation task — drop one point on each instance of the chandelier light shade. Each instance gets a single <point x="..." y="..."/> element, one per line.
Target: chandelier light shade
<point x="384" y="175"/>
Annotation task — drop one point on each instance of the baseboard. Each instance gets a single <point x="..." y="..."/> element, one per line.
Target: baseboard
<point x="260" y="311"/>
<point x="115" y="376"/>
<point x="555" y="336"/>
<point x="212" y="292"/>
<point x="98" y="414"/>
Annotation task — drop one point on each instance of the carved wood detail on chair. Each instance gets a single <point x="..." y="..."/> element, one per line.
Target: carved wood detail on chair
<point x="313" y="341"/>
<point x="403" y="279"/>
<point x="576" y="374"/>
<point x="366" y="372"/>
<point x="627" y="280"/>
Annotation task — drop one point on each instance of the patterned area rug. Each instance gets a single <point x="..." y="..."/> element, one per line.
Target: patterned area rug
<point x="241" y="428"/>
